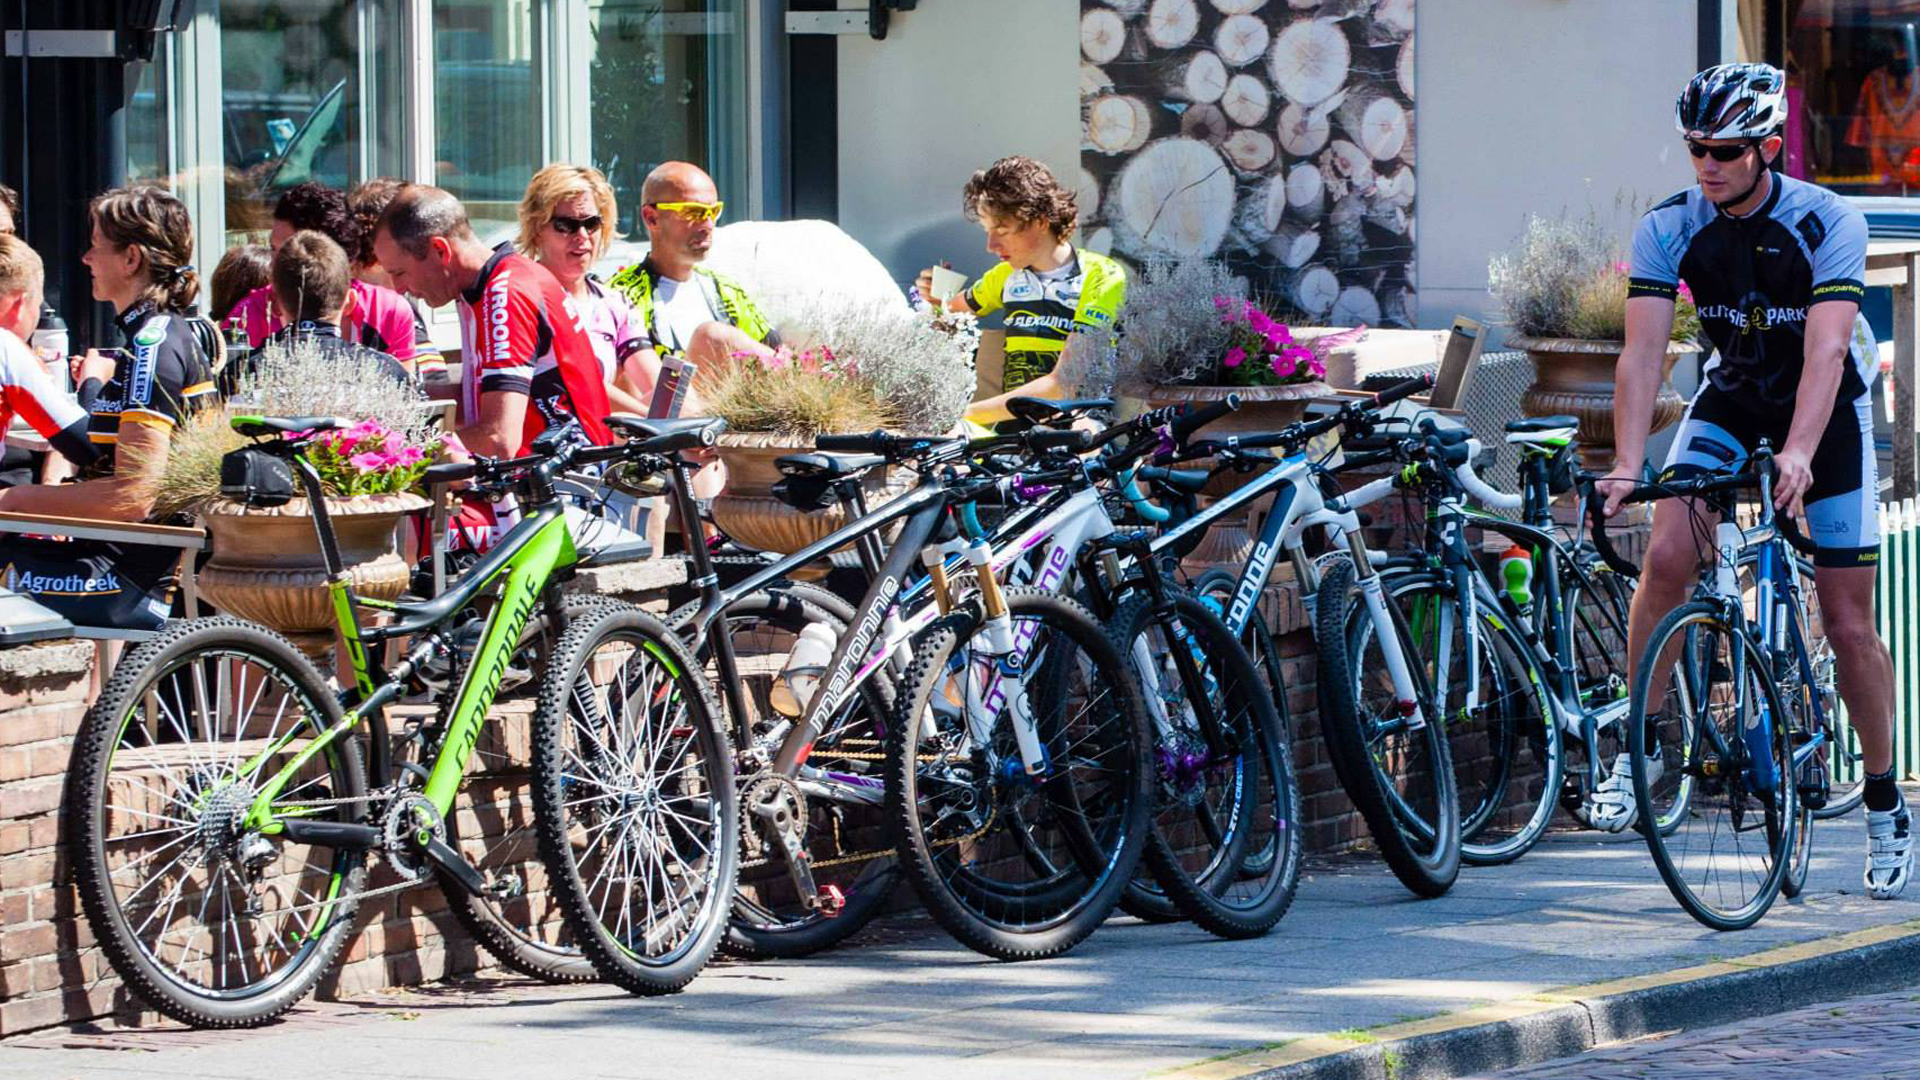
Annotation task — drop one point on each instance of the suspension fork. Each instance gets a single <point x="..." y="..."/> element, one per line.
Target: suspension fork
<point x="1399" y="664"/>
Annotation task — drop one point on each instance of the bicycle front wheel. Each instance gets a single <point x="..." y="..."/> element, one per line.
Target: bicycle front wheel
<point x="1216" y="804"/>
<point x="211" y="923"/>
<point x="1020" y="859"/>
<point x="633" y="795"/>
<point x="1725" y="860"/>
<point x="1506" y="745"/>
<point x="1399" y="776"/>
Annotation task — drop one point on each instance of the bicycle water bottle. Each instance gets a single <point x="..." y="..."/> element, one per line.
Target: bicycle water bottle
<point x="49" y="342"/>
<point x="1516" y="574"/>
<point x="800" y="676"/>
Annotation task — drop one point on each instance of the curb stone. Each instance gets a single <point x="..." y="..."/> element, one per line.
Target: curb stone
<point x="1563" y="1023"/>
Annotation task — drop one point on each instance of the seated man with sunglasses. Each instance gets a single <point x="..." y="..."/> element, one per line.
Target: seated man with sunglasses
<point x="686" y="310"/>
<point x="1778" y="268"/>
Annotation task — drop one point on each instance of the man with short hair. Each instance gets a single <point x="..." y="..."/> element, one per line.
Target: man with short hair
<point x="26" y="391"/>
<point x="1777" y="267"/>
<point x="529" y="364"/>
<point x="686" y="309"/>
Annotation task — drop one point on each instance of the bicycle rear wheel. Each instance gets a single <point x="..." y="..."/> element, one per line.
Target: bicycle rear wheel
<point x="1843" y="759"/>
<point x="1726" y="859"/>
<point x="1214" y="806"/>
<point x="1015" y="864"/>
<point x="634" y="797"/>
<point x="846" y="841"/>
<point x="213" y="924"/>
<point x="1399" y="777"/>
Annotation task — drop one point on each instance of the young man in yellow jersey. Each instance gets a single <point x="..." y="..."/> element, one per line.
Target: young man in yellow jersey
<point x="1046" y="288"/>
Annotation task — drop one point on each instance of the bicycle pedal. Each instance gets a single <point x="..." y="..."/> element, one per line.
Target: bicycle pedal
<point x="831" y="900"/>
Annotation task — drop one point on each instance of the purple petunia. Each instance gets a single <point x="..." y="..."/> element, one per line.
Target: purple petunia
<point x="1234" y="357"/>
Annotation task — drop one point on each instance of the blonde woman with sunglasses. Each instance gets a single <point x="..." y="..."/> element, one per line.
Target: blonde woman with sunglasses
<point x="566" y="224"/>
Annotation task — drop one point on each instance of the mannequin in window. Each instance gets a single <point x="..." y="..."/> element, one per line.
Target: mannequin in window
<point x="1886" y="122"/>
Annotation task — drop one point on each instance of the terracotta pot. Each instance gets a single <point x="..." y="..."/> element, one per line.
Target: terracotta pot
<point x="266" y="563"/>
<point x="1574" y="376"/>
<point x="1262" y="409"/>
<point x="747" y="510"/>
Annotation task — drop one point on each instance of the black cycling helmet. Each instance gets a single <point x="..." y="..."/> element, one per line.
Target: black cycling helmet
<point x="1733" y="101"/>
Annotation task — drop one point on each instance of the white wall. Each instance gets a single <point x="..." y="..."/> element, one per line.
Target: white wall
<point x="956" y="84"/>
<point x="1539" y="106"/>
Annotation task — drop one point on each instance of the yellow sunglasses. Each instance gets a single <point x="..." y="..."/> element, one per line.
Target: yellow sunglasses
<point x="694" y="211"/>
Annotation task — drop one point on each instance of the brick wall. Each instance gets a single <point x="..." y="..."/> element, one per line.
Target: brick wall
<point x="51" y="972"/>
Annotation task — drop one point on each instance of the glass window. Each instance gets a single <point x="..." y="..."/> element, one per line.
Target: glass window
<point x="301" y="99"/>
<point x="487" y="110"/>
<point x="1853" y="95"/>
<point x="666" y="79"/>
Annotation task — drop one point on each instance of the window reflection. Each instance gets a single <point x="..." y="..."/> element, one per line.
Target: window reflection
<point x="487" y="113"/>
<point x="1854" y="95"/>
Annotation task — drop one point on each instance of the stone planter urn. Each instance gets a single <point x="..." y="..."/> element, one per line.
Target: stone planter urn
<point x="266" y="564"/>
<point x="1574" y="376"/>
<point x="1262" y="409"/>
<point x="747" y="510"/>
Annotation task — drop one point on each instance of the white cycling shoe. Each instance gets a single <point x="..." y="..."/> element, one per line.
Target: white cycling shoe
<point x="1613" y="808"/>
<point x="1889" y="851"/>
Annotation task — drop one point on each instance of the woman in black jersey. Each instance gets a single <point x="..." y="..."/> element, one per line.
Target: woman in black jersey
<point x="141" y="259"/>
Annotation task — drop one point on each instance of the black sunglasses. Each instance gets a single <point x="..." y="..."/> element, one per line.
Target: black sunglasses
<point x="1720" y="153"/>
<point x="567" y="226"/>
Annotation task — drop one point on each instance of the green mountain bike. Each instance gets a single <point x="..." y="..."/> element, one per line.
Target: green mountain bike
<point x="226" y="797"/>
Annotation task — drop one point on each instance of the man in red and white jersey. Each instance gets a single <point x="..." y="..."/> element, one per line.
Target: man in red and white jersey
<point x="530" y="365"/>
<point x="26" y="391"/>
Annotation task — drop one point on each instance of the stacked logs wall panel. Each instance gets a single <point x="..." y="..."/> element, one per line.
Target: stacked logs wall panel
<point x="1277" y="134"/>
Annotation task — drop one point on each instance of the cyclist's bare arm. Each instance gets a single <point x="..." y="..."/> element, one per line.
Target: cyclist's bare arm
<point x="1636" y="379"/>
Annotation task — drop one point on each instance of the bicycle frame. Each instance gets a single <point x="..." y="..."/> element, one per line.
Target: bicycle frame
<point x="529" y="556"/>
<point x="1299" y="505"/>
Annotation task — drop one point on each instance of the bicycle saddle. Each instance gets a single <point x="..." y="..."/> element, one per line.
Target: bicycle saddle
<point x="1036" y="410"/>
<point x="821" y="465"/>
<point x="259" y="426"/>
<point x="669" y="434"/>
<point x="1536" y="424"/>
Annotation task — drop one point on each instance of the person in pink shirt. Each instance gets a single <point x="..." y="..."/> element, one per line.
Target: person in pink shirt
<point x="376" y="316"/>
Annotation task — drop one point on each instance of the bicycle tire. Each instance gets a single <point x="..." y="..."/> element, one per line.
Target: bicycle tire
<point x="1196" y="851"/>
<point x="1085" y="865"/>
<point x="208" y="785"/>
<point x="581" y="794"/>
<point x="1218" y="586"/>
<point x="756" y="929"/>
<point x="1716" y="784"/>
<point x="1596" y="626"/>
<point x="1502" y="814"/>
<point x="1426" y="866"/>
<point x="519" y="921"/>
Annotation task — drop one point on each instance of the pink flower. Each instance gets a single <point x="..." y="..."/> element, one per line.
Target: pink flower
<point x="1234" y="357"/>
<point x="1297" y="355"/>
<point x="1222" y="303"/>
<point x="1619" y="268"/>
<point x="1318" y="367"/>
<point x="367" y="463"/>
<point x="1279" y="337"/>
<point x="1259" y="321"/>
<point x="1283" y="364"/>
<point x="408" y="455"/>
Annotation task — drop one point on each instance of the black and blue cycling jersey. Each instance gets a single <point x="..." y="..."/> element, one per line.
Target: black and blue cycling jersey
<point x="1753" y="279"/>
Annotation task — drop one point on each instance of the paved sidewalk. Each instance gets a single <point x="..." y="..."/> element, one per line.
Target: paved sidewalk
<point x="1356" y="952"/>
<point x="1855" y="1039"/>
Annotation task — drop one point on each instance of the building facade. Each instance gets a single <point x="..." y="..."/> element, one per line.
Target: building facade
<point x="1361" y="159"/>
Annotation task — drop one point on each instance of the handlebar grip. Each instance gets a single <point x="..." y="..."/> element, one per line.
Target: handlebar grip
<point x="1405" y="390"/>
<point x="1194" y="419"/>
<point x="1057" y="439"/>
<point x="1790" y="532"/>
<point x="451" y="472"/>
<point x="1596" y="509"/>
<point x="873" y="442"/>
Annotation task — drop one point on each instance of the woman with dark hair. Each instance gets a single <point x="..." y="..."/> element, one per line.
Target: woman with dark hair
<point x="141" y="258"/>
<point x="240" y="271"/>
<point x="376" y="316"/>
